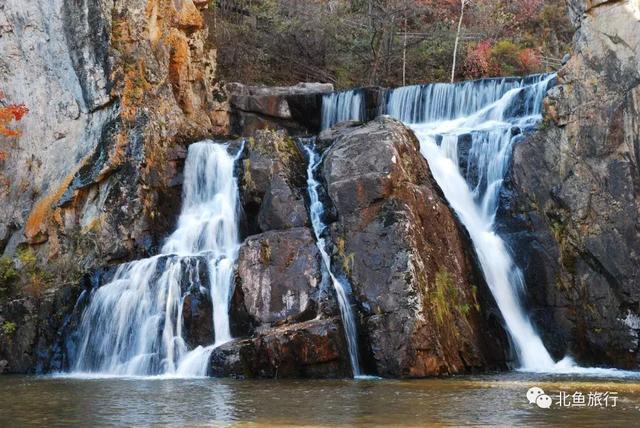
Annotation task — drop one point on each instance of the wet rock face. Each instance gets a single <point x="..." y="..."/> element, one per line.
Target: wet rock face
<point x="282" y="207"/>
<point x="197" y="312"/>
<point x="280" y="275"/>
<point x="399" y="245"/>
<point x="29" y="339"/>
<point x="572" y="204"/>
<point x="313" y="349"/>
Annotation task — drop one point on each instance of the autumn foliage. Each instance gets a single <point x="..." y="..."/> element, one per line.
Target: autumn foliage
<point x="10" y="113"/>
<point x="386" y="42"/>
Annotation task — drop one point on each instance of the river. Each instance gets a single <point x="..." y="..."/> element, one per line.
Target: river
<point x="466" y="400"/>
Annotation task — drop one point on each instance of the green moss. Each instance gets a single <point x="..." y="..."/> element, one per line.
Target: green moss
<point x="440" y="296"/>
<point x="446" y="299"/>
<point x="246" y="175"/>
<point x="8" y="276"/>
<point x="265" y="253"/>
<point x="340" y="245"/>
<point x="8" y="328"/>
<point x="558" y="229"/>
<point x="464" y="308"/>
<point x="347" y="263"/>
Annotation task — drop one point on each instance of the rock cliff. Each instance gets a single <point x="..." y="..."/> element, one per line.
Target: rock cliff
<point x="115" y="90"/>
<point x="572" y="205"/>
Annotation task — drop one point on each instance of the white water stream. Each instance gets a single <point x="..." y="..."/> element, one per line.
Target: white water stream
<point x="133" y="325"/>
<point x="317" y="209"/>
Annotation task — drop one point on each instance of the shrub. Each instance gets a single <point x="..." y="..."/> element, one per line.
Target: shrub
<point x="8" y="328"/>
<point x="8" y="276"/>
<point x="478" y="62"/>
<point x="529" y="61"/>
<point x="505" y="56"/>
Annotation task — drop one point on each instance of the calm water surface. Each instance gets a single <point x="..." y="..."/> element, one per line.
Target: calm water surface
<point x="482" y="400"/>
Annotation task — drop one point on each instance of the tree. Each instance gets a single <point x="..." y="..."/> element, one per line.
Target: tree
<point x="463" y="3"/>
<point x="384" y="42"/>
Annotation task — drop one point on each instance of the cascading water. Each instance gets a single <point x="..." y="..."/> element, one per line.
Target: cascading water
<point x="486" y="113"/>
<point x="133" y="325"/>
<point x="316" y="209"/>
<point x="342" y="106"/>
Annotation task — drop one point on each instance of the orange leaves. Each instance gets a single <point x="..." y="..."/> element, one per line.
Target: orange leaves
<point x="479" y="62"/>
<point x="10" y="113"/>
<point x="500" y="58"/>
<point x="529" y="60"/>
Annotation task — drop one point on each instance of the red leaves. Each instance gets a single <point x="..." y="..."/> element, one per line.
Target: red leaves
<point x="529" y="60"/>
<point x="478" y="62"/>
<point x="528" y="9"/>
<point x="10" y="113"/>
<point x="489" y="58"/>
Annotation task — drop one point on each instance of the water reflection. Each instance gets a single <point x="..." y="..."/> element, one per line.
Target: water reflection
<point x="484" y="400"/>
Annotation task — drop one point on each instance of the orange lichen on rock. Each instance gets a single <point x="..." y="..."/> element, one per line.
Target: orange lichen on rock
<point x="135" y="87"/>
<point x="188" y="16"/>
<point x="154" y="21"/>
<point x="179" y="69"/>
<point x="35" y="228"/>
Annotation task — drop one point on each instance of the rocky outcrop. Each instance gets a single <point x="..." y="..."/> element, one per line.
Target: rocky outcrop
<point x="129" y="82"/>
<point x="405" y="256"/>
<point x="280" y="275"/>
<point x="312" y="349"/>
<point x="273" y="183"/>
<point x="295" y="109"/>
<point x="115" y="91"/>
<point x="572" y="205"/>
<point x="29" y="331"/>
<point x="282" y="292"/>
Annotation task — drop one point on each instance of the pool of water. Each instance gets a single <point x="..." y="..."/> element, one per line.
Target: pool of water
<point x="458" y="401"/>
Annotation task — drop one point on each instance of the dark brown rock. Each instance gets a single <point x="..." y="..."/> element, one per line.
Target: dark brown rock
<point x="282" y="207"/>
<point x="197" y="317"/>
<point x="399" y="245"/>
<point x="295" y="109"/>
<point x="279" y="273"/>
<point x="314" y="349"/>
<point x="328" y="136"/>
<point x="272" y="188"/>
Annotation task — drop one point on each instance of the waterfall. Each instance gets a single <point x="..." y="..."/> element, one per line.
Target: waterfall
<point x="342" y="106"/>
<point x="485" y="115"/>
<point x="133" y="325"/>
<point x="316" y="209"/>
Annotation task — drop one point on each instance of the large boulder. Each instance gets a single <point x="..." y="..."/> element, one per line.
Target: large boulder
<point x="295" y="109"/>
<point x="572" y="204"/>
<point x="280" y="276"/>
<point x="314" y="348"/>
<point x="273" y="184"/>
<point x="398" y="243"/>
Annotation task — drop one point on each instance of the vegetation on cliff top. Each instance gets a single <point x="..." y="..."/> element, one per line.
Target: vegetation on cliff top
<point x="386" y="42"/>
